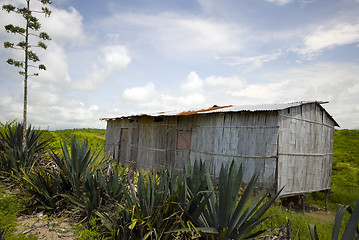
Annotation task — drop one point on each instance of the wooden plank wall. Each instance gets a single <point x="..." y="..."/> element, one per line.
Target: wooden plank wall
<point x="156" y="142"/>
<point x="305" y="149"/>
<point x="248" y="138"/>
<point x="114" y="139"/>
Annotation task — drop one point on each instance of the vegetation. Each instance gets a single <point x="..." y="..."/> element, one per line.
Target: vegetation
<point x="351" y="230"/>
<point x="120" y="203"/>
<point x="9" y="207"/>
<point x="345" y="182"/>
<point x="345" y="175"/>
<point x="17" y="158"/>
<point x="95" y="138"/>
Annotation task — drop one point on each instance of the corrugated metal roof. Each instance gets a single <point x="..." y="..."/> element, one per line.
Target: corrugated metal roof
<point x="228" y="108"/>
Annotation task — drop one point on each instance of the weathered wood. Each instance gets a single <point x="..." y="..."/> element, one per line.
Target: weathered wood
<point x="290" y="147"/>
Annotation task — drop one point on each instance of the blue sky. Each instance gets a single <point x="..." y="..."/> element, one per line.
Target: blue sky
<point x="112" y="58"/>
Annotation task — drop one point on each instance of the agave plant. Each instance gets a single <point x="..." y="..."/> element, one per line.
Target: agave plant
<point x="43" y="187"/>
<point x="191" y="192"/>
<point x="4" y="128"/>
<point x="92" y="197"/>
<point x="351" y="230"/>
<point x="153" y="207"/>
<point x="101" y="190"/>
<point x="75" y="166"/>
<point x="71" y="177"/>
<point x="143" y="209"/>
<point x="15" y="157"/>
<point x="114" y="182"/>
<point x="229" y="214"/>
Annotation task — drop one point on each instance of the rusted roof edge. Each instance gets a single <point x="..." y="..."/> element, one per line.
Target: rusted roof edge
<point x="228" y="108"/>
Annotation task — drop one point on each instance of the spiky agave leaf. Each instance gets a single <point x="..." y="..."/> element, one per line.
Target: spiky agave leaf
<point x="351" y="230"/>
<point x="229" y="212"/>
<point x="42" y="187"/>
<point x="15" y="157"/>
<point x="313" y="232"/>
<point x="76" y="164"/>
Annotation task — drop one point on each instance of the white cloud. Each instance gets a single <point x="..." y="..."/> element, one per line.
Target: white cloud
<point x="175" y="33"/>
<point x="193" y="83"/>
<point x="192" y="89"/>
<point x="279" y="2"/>
<point x="328" y="37"/>
<point x="192" y="100"/>
<point x="252" y="63"/>
<point x="65" y="26"/>
<point x="262" y="93"/>
<point x="225" y="84"/>
<point x="67" y="116"/>
<point x="115" y="57"/>
<point x="140" y="94"/>
<point x="148" y="99"/>
<point x="112" y="58"/>
<point x="55" y="59"/>
<point x="201" y="34"/>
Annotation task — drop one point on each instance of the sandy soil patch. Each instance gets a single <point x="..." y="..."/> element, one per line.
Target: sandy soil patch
<point x="45" y="227"/>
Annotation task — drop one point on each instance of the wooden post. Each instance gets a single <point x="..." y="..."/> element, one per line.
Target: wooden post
<point x="302" y="201"/>
<point x="326" y="200"/>
<point x="327" y="192"/>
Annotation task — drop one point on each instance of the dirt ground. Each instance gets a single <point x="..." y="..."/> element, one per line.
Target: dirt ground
<point x="45" y="227"/>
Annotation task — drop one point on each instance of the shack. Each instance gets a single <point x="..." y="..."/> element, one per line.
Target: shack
<point x="288" y="145"/>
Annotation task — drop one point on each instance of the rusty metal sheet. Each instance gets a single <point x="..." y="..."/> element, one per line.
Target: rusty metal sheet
<point x="228" y="108"/>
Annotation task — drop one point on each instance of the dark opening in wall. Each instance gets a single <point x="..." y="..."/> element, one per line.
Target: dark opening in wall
<point x="158" y="119"/>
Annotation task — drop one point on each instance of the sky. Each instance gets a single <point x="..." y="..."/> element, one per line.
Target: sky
<point x="115" y="58"/>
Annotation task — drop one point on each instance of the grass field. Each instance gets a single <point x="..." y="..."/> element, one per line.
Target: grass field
<point x="95" y="138"/>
